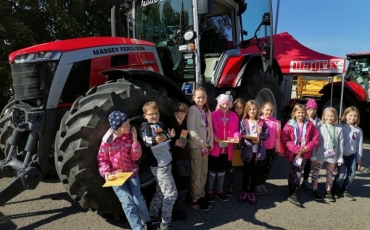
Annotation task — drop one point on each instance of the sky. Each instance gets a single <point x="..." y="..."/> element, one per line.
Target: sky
<point x="333" y="27"/>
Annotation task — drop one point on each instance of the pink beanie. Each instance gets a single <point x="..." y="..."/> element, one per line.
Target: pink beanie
<point x="311" y="104"/>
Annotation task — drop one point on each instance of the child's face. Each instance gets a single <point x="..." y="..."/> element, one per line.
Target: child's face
<point x="252" y="112"/>
<point x="124" y="129"/>
<point x="180" y="116"/>
<point x="329" y="117"/>
<point x="351" y="118"/>
<point x="311" y="112"/>
<point x="152" y="115"/>
<point x="268" y="111"/>
<point x="239" y="109"/>
<point x="200" y="98"/>
<point x="300" y="115"/>
<point x="224" y="107"/>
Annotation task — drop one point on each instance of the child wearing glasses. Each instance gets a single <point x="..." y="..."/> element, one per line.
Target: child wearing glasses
<point x="159" y="157"/>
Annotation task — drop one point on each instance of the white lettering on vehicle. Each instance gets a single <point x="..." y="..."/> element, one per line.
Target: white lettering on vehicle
<point x="327" y="66"/>
<point x="145" y="3"/>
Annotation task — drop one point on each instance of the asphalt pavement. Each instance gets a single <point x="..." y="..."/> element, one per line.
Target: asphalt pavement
<point x="50" y="207"/>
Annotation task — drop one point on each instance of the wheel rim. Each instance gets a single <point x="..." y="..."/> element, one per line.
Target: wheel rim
<point x="266" y="95"/>
<point x="335" y="104"/>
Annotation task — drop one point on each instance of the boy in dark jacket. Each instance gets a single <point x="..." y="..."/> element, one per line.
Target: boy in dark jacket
<point x="159" y="157"/>
<point x="180" y="159"/>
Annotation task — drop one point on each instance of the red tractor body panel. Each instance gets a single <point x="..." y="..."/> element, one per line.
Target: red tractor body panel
<point x="230" y="71"/>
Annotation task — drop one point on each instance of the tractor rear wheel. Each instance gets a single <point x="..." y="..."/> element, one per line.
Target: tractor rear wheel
<point x="81" y="132"/>
<point x="348" y="100"/>
<point x="262" y="87"/>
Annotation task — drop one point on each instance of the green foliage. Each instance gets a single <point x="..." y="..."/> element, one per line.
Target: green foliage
<point x="25" y="23"/>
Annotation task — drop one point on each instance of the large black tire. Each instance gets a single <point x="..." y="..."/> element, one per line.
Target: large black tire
<point x="348" y="100"/>
<point x="262" y="87"/>
<point x="6" y="130"/>
<point x="80" y="135"/>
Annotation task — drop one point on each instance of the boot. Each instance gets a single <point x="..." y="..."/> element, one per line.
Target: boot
<point x="293" y="197"/>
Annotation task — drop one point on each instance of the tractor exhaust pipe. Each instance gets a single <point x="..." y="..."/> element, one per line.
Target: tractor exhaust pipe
<point x="115" y="19"/>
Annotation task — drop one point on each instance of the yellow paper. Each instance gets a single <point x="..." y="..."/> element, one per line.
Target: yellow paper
<point x="184" y="133"/>
<point x="237" y="158"/>
<point x="121" y="178"/>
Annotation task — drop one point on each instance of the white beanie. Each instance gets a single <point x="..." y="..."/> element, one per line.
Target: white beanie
<point x="224" y="98"/>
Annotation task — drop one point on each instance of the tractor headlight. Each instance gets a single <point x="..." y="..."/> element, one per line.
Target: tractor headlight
<point x="39" y="56"/>
<point x="190" y="35"/>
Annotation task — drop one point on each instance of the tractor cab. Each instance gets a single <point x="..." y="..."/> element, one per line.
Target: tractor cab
<point x="359" y="70"/>
<point x="195" y="43"/>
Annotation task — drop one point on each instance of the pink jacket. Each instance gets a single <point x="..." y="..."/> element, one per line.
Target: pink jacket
<point x="289" y="137"/>
<point x="231" y="130"/>
<point x="118" y="153"/>
<point x="271" y="125"/>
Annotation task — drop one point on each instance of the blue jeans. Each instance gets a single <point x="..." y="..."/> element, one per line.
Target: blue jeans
<point x="346" y="173"/>
<point x="133" y="203"/>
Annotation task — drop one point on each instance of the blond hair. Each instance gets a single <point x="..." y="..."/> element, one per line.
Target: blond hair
<point x="296" y="108"/>
<point x="348" y="110"/>
<point x="150" y="105"/>
<point x="331" y="110"/>
<point x="238" y="101"/>
<point x="201" y="89"/>
<point x="247" y="107"/>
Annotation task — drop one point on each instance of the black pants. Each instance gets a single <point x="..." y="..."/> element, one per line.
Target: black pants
<point x="307" y="170"/>
<point x="266" y="166"/>
<point x="181" y="176"/>
<point x="251" y="170"/>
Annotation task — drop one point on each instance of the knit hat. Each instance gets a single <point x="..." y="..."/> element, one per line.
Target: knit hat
<point x="116" y="119"/>
<point x="224" y="98"/>
<point x="311" y="104"/>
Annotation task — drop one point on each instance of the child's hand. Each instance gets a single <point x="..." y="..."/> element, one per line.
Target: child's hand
<point x="172" y="132"/>
<point x="106" y="175"/>
<point x="304" y="149"/>
<point x="159" y="138"/>
<point x="178" y="143"/>
<point x="259" y="129"/>
<point x="216" y="139"/>
<point x="358" y="168"/>
<point x="134" y="134"/>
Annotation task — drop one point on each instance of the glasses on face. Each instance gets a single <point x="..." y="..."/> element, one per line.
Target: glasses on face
<point x="152" y="114"/>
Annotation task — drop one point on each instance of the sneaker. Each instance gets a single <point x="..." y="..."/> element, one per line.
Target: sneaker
<point x="222" y="196"/>
<point x="264" y="190"/>
<point x="230" y="193"/>
<point x="316" y="195"/>
<point x="294" y="200"/>
<point x="149" y="226"/>
<point x="205" y="202"/>
<point x="198" y="206"/>
<point x="165" y="226"/>
<point x="252" y="198"/>
<point x="243" y="196"/>
<point x="211" y="196"/>
<point x="338" y="194"/>
<point x="258" y="190"/>
<point x="348" y="196"/>
<point x="329" y="197"/>
<point x="307" y="185"/>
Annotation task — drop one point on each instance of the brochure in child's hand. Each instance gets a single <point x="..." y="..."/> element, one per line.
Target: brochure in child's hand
<point x="230" y="140"/>
<point x="118" y="179"/>
<point x="160" y="145"/>
<point x="183" y="136"/>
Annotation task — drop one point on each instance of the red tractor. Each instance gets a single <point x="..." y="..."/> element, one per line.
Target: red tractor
<point x="65" y="89"/>
<point x="355" y="89"/>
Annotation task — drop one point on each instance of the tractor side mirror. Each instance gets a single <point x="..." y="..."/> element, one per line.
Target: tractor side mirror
<point x="266" y="19"/>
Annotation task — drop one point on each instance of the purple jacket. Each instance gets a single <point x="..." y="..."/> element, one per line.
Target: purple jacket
<point x="247" y="152"/>
<point x="230" y="130"/>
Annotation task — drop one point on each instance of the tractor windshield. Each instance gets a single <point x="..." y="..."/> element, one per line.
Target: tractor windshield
<point x="359" y="71"/>
<point x="164" y="23"/>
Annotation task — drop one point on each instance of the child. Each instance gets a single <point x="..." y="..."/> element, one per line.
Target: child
<point x="238" y="108"/>
<point x="159" y="158"/>
<point x="199" y="122"/>
<point x="254" y="132"/>
<point x="330" y="150"/>
<point x="267" y="116"/>
<point x="299" y="137"/>
<point x="353" y="137"/>
<point x="311" y="107"/>
<point x="181" y="159"/>
<point x="225" y="127"/>
<point x="111" y="157"/>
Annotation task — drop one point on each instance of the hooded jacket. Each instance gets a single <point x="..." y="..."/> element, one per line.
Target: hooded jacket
<point x="118" y="153"/>
<point x="291" y="142"/>
<point x="231" y="129"/>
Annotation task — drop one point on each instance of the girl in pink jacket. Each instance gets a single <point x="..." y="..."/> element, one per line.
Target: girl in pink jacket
<point x="119" y="151"/>
<point x="225" y="127"/>
<point x="300" y="137"/>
